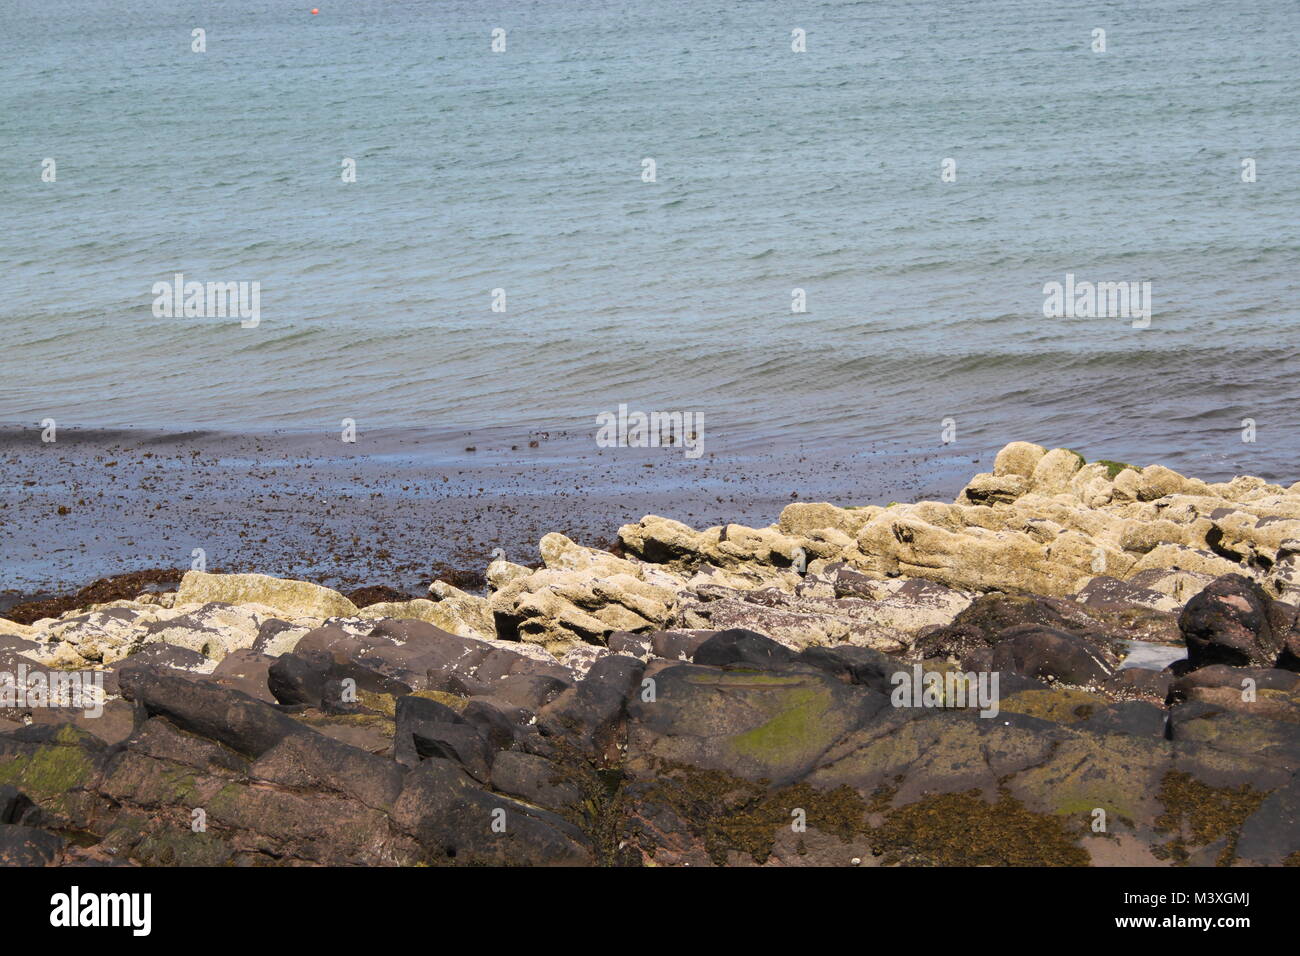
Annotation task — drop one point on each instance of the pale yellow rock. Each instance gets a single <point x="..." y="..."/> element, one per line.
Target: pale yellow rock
<point x="806" y="518"/>
<point x="1143" y="536"/>
<point x="284" y="642"/>
<point x="213" y="629"/>
<point x="558" y="608"/>
<point x="14" y="629"/>
<point x="1054" y="471"/>
<point x="1181" y="586"/>
<point x="979" y="560"/>
<point x="455" y="617"/>
<point x="1245" y="534"/>
<point x="560" y="554"/>
<point x="1018" y="458"/>
<point x="749" y="577"/>
<point x="502" y="572"/>
<point x="661" y="540"/>
<point x="285" y="596"/>
<point x="765" y="545"/>
<point x="1125" y="485"/>
<point x="1243" y="487"/>
<point x="62" y="657"/>
<point x="826" y="543"/>
<point x="993" y="489"/>
<point x="1184" y="559"/>
<point x="1157" y="481"/>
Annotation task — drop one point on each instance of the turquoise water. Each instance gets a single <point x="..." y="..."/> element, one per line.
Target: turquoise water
<point x="775" y="170"/>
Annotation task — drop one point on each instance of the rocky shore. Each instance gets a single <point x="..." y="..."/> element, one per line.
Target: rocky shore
<point x="1070" y="664"/>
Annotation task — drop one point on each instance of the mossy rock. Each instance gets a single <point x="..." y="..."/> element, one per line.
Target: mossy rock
<point x="52" y="770"/>
<point x="1061" y="706"/>
<point x="1198" y="815"/>
<point x="1113" y="468"/>
<point x="730" y="814"/>
<point x="964" y="829"/>
<point x="181" y="846"/>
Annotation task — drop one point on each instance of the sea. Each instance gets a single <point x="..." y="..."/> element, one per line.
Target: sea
<point x="818" y="226"/>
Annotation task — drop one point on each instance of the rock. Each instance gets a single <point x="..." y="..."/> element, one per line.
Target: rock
<point x="677" y="645"/>
<point x="1182" y="586"/>
<point x="14" y="804"/>
<point x="1227" y="623"/>
<point x="452" y="610"/>
<point x="10" y="629"/>
<point x="1271" y="834"/>
<point x="556" y="608"/>
<point x="311" y="760"/>
<point x="763" y="725"/>
<point x="300" y="679"/>
<point x="855" y="665"/>
<point x="295" y="599"/>
<point x="629" y="644"/>
<point x="1139" y="684"/>
<point x="993" y="489"/>
<point x="501" y="572"/>
<point x="1052" y="655"/>
<point x="166" y="656"/>
<point x="246" y="671"/>
<point x="591" y="714"/>
<point x="95" y="637"/>
<point x="890" y="621"/>
<point x="1283" y="579"/>
<point x="27" y="846"/>
<point x="993" y="616"/>
<point x="213" y="630"/>
<point x="535" y="780"/>
<point x="1052" y="474"/>
<point x="1182" y="558"/>
<point x="276" y="637"/>
<point x="427" y="729"/>
<point x="580" y="658"/>
<point x="456" y="821"/>
<point x="1018" y="458"/>
<point x="414" y="715"/>
<point x="801" y="519"/>
<point x="741" y="648"/>
<point x="1111" y="594"/>
<point x="232" y="718"/>
<point x="1136" y="717"/>
<point x="1156" y="481"/>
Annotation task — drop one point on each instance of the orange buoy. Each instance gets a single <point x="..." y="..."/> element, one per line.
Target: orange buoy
<point x="314" y="11"/>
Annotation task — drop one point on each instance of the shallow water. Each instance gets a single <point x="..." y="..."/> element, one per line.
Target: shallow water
<point x="1151" y="657"/>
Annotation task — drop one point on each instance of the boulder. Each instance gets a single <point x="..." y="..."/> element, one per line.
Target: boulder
<point x="1228" y="623"/>
<point x="295" y="599"/>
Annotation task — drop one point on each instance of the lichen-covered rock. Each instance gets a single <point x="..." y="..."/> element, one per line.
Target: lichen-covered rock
<point x="586" y="596"/>
<point x="452" y="610"/>
<point x="1019" y="458"/>
<point x="286" y="597"/>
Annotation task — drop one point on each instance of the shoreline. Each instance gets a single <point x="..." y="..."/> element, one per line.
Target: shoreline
<point x="395" y="508"/>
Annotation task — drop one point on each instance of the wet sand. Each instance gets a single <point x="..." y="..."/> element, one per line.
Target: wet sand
<point x="394" y="508"/>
